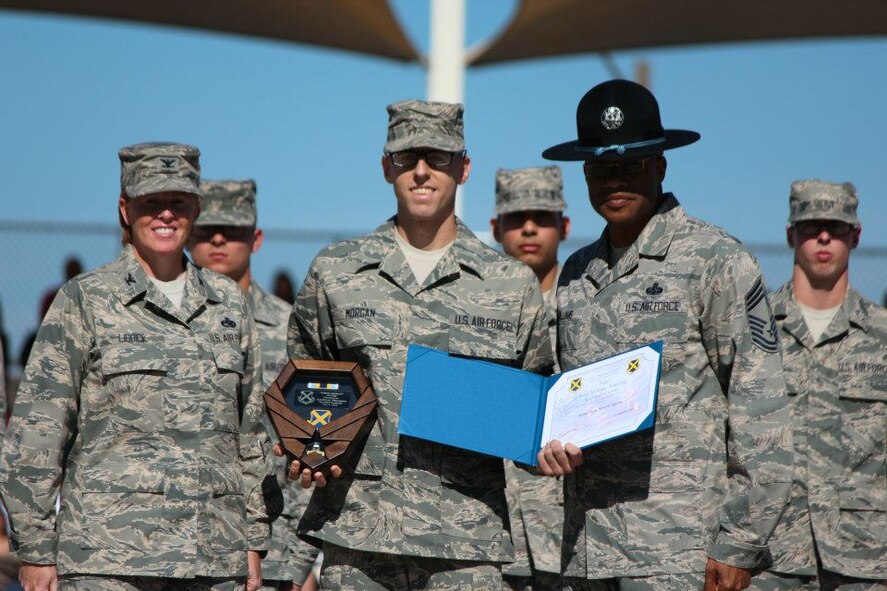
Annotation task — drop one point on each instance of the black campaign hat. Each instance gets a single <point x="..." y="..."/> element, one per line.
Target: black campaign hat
<point x="619" y="119"/>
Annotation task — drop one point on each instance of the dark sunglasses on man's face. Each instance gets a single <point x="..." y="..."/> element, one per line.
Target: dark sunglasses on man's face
<point x="815" y="227"/>
<point x="433" y="158"/>
<point x="231" y="233"/>
<point x="597" y="169"/>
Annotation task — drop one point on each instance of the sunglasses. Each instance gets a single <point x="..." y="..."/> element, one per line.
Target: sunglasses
<point x="231" y="233"/>
<point x="815" y="228"/>
<point x="433" y="158"/>
<point x="604" y="169"/>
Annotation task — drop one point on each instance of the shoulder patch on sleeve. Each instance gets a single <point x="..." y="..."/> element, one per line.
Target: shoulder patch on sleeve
<point x="760" y="318"/>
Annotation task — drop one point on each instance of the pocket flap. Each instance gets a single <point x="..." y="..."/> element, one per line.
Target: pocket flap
<point x="117" y="360"/>
<point x="228" y="358"/>
<point x="126" y="477"/>
<point x="871" y="497"/>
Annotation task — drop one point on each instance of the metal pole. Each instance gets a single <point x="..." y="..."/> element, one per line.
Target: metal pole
<point x="446" y="64"/>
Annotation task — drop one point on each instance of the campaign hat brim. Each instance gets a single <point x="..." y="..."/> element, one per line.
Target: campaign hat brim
<point x="572" y="151"/>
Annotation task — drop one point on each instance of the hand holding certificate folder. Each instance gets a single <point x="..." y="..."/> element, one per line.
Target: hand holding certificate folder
<point x="510" y="413"/>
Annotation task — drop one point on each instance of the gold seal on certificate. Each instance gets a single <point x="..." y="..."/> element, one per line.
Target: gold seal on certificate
<point x="321" y="411"/>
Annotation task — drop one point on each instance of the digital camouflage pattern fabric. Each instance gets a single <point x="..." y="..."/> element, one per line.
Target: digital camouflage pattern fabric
<point x="423" y="124"/>
<point x="289" y="558"/>
<point x="813" y="199"/>
<point x="536" y="503"/>
<point x="228" y="203"/>
<point x="712" y="477"/>
<point x="148" y="418"/>
<point x="539" y="188"/>
<point x="2" y="395"/>
<point x="158" y="167"/>
<point x="357" y="571"/>
<point x="838" y="389"/>
<point x="360" y="302"/>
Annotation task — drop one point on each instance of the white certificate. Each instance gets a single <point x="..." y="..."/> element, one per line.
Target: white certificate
<point x="612" y="397"/>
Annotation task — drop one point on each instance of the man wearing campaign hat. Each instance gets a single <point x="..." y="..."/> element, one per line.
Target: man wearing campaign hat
<point x="833" y="534"/>
<point x="691" y="502"/>
<point x="409" y="513"/>
<point x="224" y="238"/>
<point x="530" y="225"/>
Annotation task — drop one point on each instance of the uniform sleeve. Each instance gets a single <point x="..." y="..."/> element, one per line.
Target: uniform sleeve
<point x="533" y="336"/>
<point x="310" y="332"/>
<point x="302" y="554"/>
<point x="260" y="486"/>
<point x="43" y="427"/>
<point x="2" y="392"/>
<point x="740" y="338"/>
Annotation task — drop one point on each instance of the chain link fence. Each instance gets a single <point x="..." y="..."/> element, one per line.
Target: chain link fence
<point x="34" y="254"/>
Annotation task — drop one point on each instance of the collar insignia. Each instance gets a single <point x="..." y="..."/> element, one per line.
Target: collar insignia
<point x="130" y="280"/>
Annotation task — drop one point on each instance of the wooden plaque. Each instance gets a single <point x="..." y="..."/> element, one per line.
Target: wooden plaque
<point x="321" y="411"/>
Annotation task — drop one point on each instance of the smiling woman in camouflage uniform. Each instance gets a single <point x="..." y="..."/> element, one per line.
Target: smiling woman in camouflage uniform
<point x="141" y="404"/>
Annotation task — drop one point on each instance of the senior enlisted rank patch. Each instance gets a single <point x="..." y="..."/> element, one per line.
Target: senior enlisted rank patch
<point x="760" y="318"/>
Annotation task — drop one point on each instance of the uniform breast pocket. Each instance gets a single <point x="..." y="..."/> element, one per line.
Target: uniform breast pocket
<point x="484" y="334"/>
<point x="227" y="381"/>
<point x="363" y="330"/>
<point x="134" y="381"/>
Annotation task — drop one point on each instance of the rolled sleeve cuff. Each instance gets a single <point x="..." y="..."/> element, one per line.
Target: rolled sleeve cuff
<point x="258" y="537"/>
<point x="753" y="557"/>
<point x="26" y="549"/>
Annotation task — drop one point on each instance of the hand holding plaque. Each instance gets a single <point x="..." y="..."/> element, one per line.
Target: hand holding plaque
<point x="321" y="411"/>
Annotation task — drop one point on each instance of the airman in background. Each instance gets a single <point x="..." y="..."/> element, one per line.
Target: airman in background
<point x="224" y="239"/>
<point x="833" y="534"/>
<point x="530" y="224"/>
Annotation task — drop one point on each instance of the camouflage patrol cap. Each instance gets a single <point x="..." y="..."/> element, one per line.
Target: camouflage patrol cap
<point x="228" y="203"/>
<point x="813" y="199"/>
<point x="158" y="167"/>
<point x="422" y="124"/>
<point x="524" y="189"/>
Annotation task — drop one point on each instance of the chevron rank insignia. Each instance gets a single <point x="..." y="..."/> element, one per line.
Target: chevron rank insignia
<point x="760" y="319"/>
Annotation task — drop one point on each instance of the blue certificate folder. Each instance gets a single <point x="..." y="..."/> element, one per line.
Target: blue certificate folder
<point x="482" y="406"/>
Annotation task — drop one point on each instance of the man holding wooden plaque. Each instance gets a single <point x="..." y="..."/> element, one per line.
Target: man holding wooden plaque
<point x="406" y="512"/>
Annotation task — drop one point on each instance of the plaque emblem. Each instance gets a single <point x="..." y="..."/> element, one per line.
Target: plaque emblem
<point x="320" y="417"/>
<point x="612" y="118"/>
<point x="321" y="411"/>
<point x="633" y="365"/>
<point x="575" y="384"/>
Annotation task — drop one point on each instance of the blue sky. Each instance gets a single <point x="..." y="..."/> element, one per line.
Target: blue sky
<point x="308" y="124"/>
